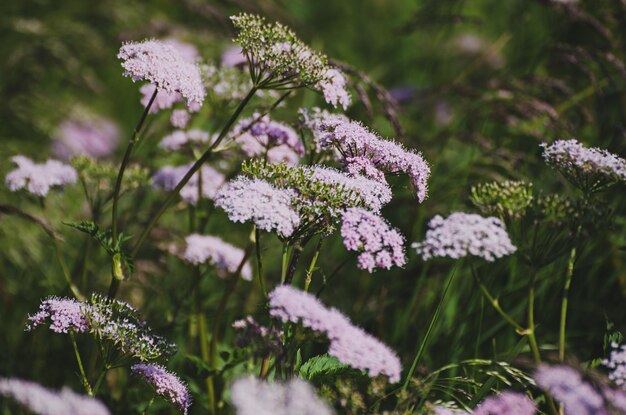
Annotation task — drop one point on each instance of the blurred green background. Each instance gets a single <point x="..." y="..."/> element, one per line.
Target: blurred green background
<point x="479" y="85"/>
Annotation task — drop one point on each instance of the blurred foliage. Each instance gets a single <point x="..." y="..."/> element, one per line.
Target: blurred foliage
<point x="477" y="86"/>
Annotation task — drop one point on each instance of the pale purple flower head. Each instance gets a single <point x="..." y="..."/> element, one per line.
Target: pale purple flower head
<point x="234" y="56"/>
<point x="166" y="178"/>
<point x="318" y="121"/>
<point x="43" y="401"/>
<point x="64" y="314"/>
<point x="159" y="63"/>
<point x="380" y="246"/>
<point x="225" y="257"/>
<point x="92" y="136"/>
<point x="577" y="162"/>
<point x="258" y="201"/>
<point x="334" y="88"/>
<point x="186" y="50"/>
<point x="38" y="179"/>
<point x="462" y="234"/>
<point x="506" y="403"/>
<point x="252" y="396"/>
<point x="166" y="384"/>
<point x="356" y="142"/>
<point x="616" y="363"/>
<point x="370" y="193"/>
<point x="269" y="139"/>
<point x="348" y="343"/>
<point x="566" y="385"/>
<point x="179" y="139"/>
<point x="180" y="118"/>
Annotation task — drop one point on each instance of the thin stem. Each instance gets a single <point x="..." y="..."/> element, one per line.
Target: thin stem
<point x="259" y="262"/>
<point x="494" y="301"/>
<point x="100" y="379"/>
<point x="309" y="272"/>
<point x="530" y="331"/>
<point x="293" y="263"/>
<point x="205" y="157"/>
<point x="422" y="346"/>
<point x="145" y="411"/>
<point x="564" y="301"/>
<point x="80" y="365"/>
<point x="285" y="261"/>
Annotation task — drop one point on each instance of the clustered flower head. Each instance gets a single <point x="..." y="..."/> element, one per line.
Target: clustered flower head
<point x="251" y="396"/>
<point x="225" y="257"/>
<point x="109" y="320"/>
<point x="567" y="386"/>
<point x="507" y="199"/>
<point x="180" y="118"/>
<point x="375" y="155"/>
<point x="317" y="121"/>
<point x="92" y="136"/>
<point x="512" y="403"/>
<point x="161" y="64"/>
<point x="616" y="363"/>
<point x="166" y="384"/>
<point x="462" y="234"/>
<point x="591" y="169"/>
<point x="334" y="88"/>
<point x="166" y="178"/>
<point x="380" y="245"/>
<point x="180" y="139"/>
<point x="257" y="201"/>
<point x="348" y="343"/>
<point x="43" y="401"/>
<point x="38" y="179"/>
<point x="273" y="141"/>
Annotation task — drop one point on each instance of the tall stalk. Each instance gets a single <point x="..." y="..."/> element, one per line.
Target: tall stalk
<point x="564" y="300"/>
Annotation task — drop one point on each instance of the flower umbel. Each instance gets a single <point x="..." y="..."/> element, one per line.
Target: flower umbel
<point x="38" y="179"/>
<point x="165" y="384"/>
<point x="512" y="403"/>
<point x="225" y="257"/>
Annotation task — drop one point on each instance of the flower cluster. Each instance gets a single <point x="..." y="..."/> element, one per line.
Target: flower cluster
<point x="357" y="144"/>
<point x="161" y="64"/>
<point x="43" y="401"/>
<point x="109" y="320"/>
<point x="251" y="396"/>
<point x="333" y="86"/>
<point x="506" y="403"/>
<point x="273" y="141"/>
<point x="180" y="139"/>
<point x="180" y="118"/>
<point x="616" y="363"/>
<point x="165" y="384"/>
<point x="225" y="257"/>
<point x="348" y="343"/>
<point x="567" y="386"/>
<point x="318" y="121"/>
<point x="91" y="135"/>
<point x="507" y="199"/>
<point x="591" y="169"/>
<point x="166" y="178"/>
<point x="462" y="234"/>
<point x="380" y="245"/>
<point x="38" y="179"/>
<point x="258" y="201"/>
<point x="261" y="340"/>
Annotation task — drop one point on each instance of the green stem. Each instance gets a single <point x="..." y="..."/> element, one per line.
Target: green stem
<point x="205" y="157"/>
<point x="494" y="301"/>
<point x="422" y="346"/>
<point x="285" y="262"/>
<point x="259" y="262"/>
<point x="80" y="365"/>
<point x="564" y="301"/>
<point x="530" y="331"/>
<point x="145" y="411"/>
<point x="100" y="379"/>
<point x="309" y="272"/>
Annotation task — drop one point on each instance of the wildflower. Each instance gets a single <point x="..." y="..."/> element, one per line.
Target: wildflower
<point x="65" y="315"/>
<point x="567" y="386"/>
<point x="92" y="136"/>
<point x="225" y="257"/>
<point x="251" y="396"/>
<point x="168" y="177"/>
<point x="355" y="142"/>
<point x="444" y="410"/>
<point x="507" y="199"/>
<point x="162" y="65"/>
<point x="179" y="139"/>
<point x="43" y="401"/>
<point x="333" y="86"/>
<point x="318" y="121"/>
<point x="348" y="343"/>
<point x="591" y="169"/>
<point x="616" y="363"/>
<point x="38" y="179"/>
<point x="166" y="384"/>
<point x="380" y="245"/>
<point x="234" y="56"/>
<point x="506" y="403"/>
<point x="180" y="118"/>
<point x="271" y="140"/>
<point x="462" y="234"/>
<point x="258" y="201"/>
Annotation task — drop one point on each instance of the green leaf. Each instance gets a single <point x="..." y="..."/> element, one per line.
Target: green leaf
<point x="91" y="228"/>
<point x="326" y="368"/>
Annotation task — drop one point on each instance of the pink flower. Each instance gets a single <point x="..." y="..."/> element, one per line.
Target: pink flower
<point x="180" y="118"/>
<point x="165" y="384"/>
<point x="225" y="257"/>
<point x="506" y="403"/>
<point x="167" y="178"/>
<point x="234" y="56"/>
<point x="92" y="136"/>
<point x="334" y="88"/>
<point x="65" y="315"/>
<point x="38" y="179"/>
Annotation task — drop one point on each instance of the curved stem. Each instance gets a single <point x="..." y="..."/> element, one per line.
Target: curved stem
<point x="205" y="156"/>
<point x="293" y="263"/>
<point x="494" y="301"/>
<point x="80" y="365"/>
<point x="530" y="331"/>
<point x="564" y="301"/>
<point x="309" y="272"/>
<point x="257" y="245"/>
<point x="433" y="320"/>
